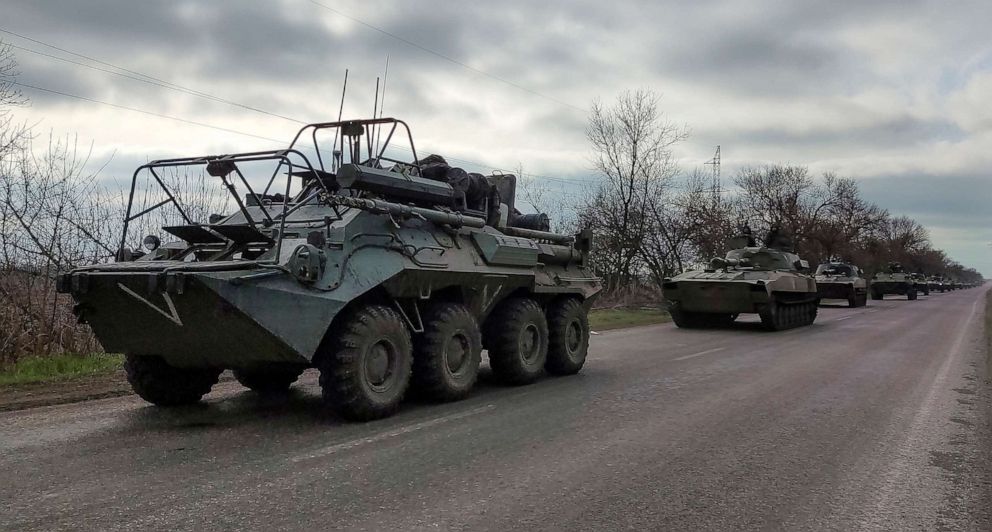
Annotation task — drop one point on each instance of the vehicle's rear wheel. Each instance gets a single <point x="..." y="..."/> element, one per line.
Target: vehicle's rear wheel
<point x="852" y="300"/>
<point x="447" y="354"/>
<point x="517" y="339"/>
<point x="269" y="378"/>
<point x="911" y="295"/>
<point x="365" y="372"/>
<point x="155" y="381"/>
<point x="877" y="296"/>
<point x="568" y="333"/>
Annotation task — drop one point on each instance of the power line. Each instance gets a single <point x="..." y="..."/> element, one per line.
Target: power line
<point x="445" y="57"/>
<point x="135" y="75"/>
<point x="142" y="111"/>
<point x="152" y="80"/>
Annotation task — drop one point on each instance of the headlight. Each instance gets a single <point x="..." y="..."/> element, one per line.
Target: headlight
<point x="151" y="242"/>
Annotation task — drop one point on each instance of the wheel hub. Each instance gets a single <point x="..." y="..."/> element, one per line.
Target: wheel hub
<point x="529" y="342"/>
<point x="456" y="352"/>
<point x="573" y="336"/>
<point x="380" y="362"/>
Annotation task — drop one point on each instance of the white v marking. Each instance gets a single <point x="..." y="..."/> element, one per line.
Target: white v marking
<point x="172" y="315"/>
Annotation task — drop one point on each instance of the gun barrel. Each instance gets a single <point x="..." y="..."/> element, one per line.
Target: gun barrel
<point x="453" y="219"/>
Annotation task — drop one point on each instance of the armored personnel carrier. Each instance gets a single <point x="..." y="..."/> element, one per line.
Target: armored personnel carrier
<point x="380" y="272"/>
<point x="894" y="281"/>
<point x="838" y="280"/>
<point x="766" y="280"/>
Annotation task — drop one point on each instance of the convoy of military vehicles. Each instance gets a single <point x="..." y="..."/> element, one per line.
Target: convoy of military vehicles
<point x="391" y="275"/>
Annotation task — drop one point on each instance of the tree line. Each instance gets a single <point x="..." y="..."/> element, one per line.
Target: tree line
<point x="651" y="220"/>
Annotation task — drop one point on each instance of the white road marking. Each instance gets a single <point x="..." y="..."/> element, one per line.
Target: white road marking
<point x="701" y="353"/>
<point x="844" y="318"/>
<point x="331" y="449"/>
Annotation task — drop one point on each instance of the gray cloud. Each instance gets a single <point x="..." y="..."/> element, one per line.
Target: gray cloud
<point x="869" y="87"/>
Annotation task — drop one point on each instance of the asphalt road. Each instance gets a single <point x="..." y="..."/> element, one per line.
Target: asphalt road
<point x="873" y="418"/>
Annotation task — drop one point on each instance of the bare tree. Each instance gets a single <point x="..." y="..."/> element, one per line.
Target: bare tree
<point x="632" y="142"/>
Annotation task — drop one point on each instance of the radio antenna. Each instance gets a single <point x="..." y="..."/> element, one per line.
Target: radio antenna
<point x="370" y="137"/>
<point x="382" y="103"/>
<point x="336" y="153"/>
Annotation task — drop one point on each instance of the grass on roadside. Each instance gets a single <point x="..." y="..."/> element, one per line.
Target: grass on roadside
<point x="59" y="367"/>
<point x="616" y="318"/>
<point x="63" y="367"/>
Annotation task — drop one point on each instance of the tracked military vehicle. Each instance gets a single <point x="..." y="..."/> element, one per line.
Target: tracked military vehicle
<point x="893" y="281"/>
<point x="937" y="283"/>
<point x="920" y="283"/>
<point x="838" y="280"/>
<point x="766" y="280"/>
<point x="381" y="272"/>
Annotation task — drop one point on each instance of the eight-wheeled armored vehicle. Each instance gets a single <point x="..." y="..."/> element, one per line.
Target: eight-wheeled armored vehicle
<point x="335" y="253"/>
<point x="894" y="281"/>
<point x="751" y="279"/>
<point x="839" y="280"/>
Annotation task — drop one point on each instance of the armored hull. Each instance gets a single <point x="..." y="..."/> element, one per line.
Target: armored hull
<point x="784" y="298"/>
<point x="893" y="283"/>
<point x="841" y="281"/>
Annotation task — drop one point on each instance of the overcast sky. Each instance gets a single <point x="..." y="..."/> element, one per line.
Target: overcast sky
<point x="896" y="94"/>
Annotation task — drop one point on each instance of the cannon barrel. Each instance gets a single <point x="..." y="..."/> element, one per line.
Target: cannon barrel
<point x="453" y="219"/>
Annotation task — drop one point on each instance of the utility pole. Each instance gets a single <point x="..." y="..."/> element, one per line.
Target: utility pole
<point x="715" y="187"/>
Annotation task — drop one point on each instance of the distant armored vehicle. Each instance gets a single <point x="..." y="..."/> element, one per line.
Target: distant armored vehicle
<point x="936" y="282"/>
<point x="334" y="254"/>
<point x="920" y="283"/>
<point x="838" y="280"/>
<point x="894" y="281"/>
<point x="751" y="279"/>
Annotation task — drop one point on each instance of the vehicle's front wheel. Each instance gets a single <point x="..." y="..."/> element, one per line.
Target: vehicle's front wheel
<point x="911" y="295"/>
<point x="365" y="372"/>
<point x="157" y="382"/>
<point x="568" y="330"/>
<point x="447" y="354"/>
<point x="270" y="378"/>
<point x="517" y="339"/>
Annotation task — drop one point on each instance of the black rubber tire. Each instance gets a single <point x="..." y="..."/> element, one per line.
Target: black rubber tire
<point x="877" y="296"/>
<point x="269" y="379"/>
<point x="450" y="330"/>
<point x="365" y="372"/>
<point x="568" y="337"/>
<point x="155" y="381"/>
<point x="926" y="292"/>
<point x="911" y="295"/>
<point x="852" y="301"/>
<point x="516" y="336"/>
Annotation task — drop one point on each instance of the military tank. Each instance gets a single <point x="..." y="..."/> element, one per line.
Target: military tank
<point x="936" y="282"/>
<point x="382" y="273"/>
<point x="766" y="280"/>
<point x="893" y="281"/>
<point x="838" y="280"/>
<point x="920" y="283"/>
